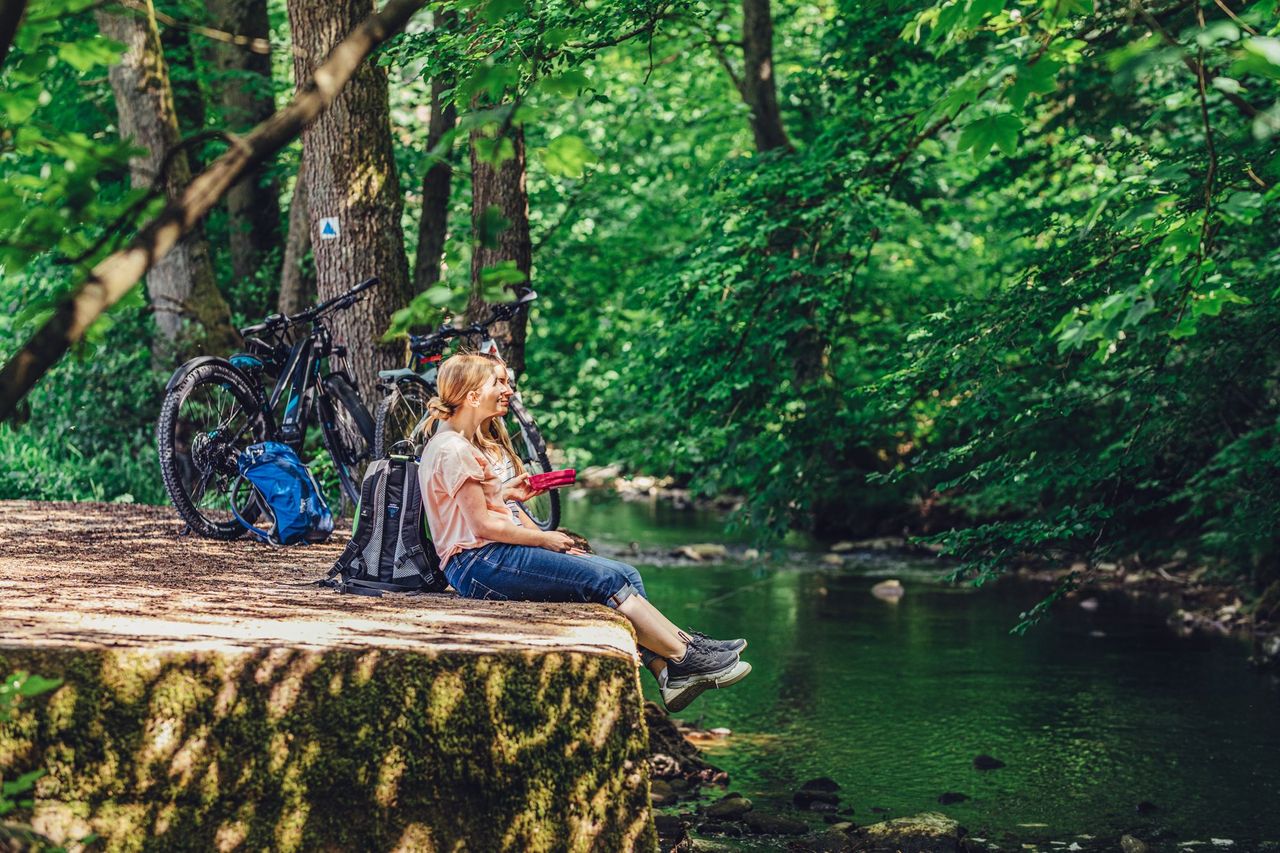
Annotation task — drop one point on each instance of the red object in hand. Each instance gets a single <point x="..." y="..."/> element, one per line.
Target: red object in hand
<point x="553" y="479"/>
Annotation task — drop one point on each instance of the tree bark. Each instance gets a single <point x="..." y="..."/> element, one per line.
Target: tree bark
<point x="116" y="274"/>
<point x="189" y="310"/>
<point x="436" y="187"/>
<point x="504" y="190"/>
<point x="10" y="16"/>
<point x="351" y="178"/>
<point x="297" y="283"/>
<point x="245" y="96"/>
<point x="758" y="86"/>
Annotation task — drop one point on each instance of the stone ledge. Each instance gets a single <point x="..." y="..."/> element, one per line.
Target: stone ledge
<point x="213" y="702"/>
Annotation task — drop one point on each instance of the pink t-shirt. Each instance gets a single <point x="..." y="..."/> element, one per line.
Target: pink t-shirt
<point x="450" y="461"/>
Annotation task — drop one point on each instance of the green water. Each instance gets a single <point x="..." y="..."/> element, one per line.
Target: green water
<point x="1093" y="712"/>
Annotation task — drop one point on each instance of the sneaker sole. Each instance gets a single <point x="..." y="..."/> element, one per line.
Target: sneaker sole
<point x="687" y="694"/>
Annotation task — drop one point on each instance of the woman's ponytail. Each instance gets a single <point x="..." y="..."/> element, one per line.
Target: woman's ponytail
<point x="437" y="410"/>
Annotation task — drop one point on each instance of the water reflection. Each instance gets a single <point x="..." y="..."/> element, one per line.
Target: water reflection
<point x="1093" y="712"/>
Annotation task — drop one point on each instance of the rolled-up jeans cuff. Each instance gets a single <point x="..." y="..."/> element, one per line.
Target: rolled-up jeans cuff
<point x="615" y="600"/>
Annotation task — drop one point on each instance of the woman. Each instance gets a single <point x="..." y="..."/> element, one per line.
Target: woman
<point x="486" y="554"/>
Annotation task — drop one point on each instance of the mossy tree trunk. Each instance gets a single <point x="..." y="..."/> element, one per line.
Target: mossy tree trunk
<point x="245" y="97"/>
<point x="189" y="309"/>
<point x="350" y="177"/>
<point x="499" y="198"/>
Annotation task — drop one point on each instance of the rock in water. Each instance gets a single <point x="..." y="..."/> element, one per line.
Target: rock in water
<point x="1129" y="844"/>
<point x="923" y="833"/>
<point x="709" y="550"/>
<point x="762" y="824"/>
<point x="986" y="762"/>
<point x="950" y="797"/>
<point x="719" y="828"/>
<point x="822" y="783"/>
<point x="671" y="831"/>
<point x="807" y="797"/>
<point x="730" y="808"/>
<point x="890" y="590"/>
<point x="831" y="841"/>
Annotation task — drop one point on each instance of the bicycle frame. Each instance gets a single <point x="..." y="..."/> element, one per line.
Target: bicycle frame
<point x="301" y="386"/>
<point x="302" y="369"/>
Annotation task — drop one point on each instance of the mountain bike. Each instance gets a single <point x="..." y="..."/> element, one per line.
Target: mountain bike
<point x="216" y="407"/>
<point x="406" y="392"/>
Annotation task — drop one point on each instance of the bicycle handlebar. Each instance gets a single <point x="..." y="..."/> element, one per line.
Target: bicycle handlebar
<point x="341" y="301"/>
<point x="502" y="311"/>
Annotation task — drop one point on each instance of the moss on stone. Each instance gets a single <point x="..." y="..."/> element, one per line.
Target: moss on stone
<point x="343" y="749"/>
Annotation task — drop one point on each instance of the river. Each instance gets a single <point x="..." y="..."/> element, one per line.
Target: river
<point x="1093" y="712"/>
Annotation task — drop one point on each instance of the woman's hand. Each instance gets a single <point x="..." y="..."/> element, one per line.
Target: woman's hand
<point x="554" y="540"/>
<point x="517" y="489"/>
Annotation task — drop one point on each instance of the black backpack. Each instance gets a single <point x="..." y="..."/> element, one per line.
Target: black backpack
<point x="390" y="549"/>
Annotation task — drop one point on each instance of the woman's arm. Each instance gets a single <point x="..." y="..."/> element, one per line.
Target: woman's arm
<point x="490" y="526"/>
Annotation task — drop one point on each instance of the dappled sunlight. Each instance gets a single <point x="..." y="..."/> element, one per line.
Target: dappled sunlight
<point x="393" y="766"/>
<point x="286" y="690"/>
<point x="227" y="715"/>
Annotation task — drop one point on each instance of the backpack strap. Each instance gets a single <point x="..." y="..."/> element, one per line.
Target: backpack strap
<point x="352" y="555"/>
<point x="410" y="517"/>
<point x="415" y="545"/>
<point x="256" y="532"/>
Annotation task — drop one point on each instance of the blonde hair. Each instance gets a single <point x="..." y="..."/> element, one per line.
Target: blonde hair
<point x="458" y="376"/>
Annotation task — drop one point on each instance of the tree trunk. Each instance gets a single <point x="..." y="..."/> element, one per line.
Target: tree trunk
<point x="436" y="186"/>
<point x="297" y="283"/>
<point x="504" y="190"/>
<point x="188" y="100"/>
<point x="245" y="96"/>
<point x="759" y="90"/>
<point x="758" y="86"/>
<point x="352" y="187"/>
<point x="181" y="284"/>
<point x="10" y="16"/>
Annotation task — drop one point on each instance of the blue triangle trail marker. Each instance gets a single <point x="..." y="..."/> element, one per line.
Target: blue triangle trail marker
<point x="329" y="228"/>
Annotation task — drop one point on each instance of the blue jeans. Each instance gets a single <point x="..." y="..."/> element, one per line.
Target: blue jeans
<point x="502" y="572"/>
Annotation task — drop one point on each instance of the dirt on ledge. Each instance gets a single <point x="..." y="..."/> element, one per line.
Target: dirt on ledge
<point x="123" y="575"/>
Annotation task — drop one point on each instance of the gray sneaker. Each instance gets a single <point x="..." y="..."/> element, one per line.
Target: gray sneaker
<point x="735" y="646"/>
<point x="705" y="664"/>
<point x="676" y="695"/>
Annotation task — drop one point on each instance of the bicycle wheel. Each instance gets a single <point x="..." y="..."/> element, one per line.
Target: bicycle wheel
<point x="205" y="421"/>
<point x="532" y="450"/>
<point x="347" y="430"/>
<point x="402" y="409"/>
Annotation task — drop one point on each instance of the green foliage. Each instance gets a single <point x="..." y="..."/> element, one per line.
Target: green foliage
<point x="1014" y="288"/>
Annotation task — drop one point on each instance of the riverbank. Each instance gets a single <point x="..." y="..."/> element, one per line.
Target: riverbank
<point x="1197" y="603"/>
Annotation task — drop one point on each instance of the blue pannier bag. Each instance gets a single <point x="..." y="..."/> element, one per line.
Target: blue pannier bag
<point x="286" y="490"/>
